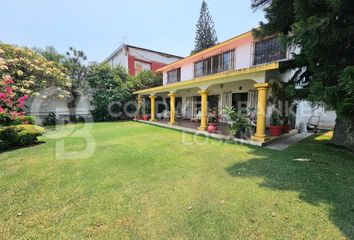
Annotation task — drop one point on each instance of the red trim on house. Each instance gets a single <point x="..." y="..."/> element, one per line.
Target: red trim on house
<point x="157" y="65"/>
<point x="131" y="65"/>
<point x="153" y="65"/>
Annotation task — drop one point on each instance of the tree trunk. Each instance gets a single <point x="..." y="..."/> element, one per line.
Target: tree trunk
<point x="72" y="110"/>
<point x="344" y="132"/>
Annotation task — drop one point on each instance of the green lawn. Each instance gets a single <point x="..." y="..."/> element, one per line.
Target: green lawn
<point x="146" y="182"/>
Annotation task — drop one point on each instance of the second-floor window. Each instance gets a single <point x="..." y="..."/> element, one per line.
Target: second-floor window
<point x="174" y="76"/>
<point x="268" y="50"/>
<point x="215" y="64"/>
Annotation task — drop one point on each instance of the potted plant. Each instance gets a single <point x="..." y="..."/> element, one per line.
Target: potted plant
<point x="275" y="127"/>
<point x="213" y="122"/>
<point x="286" y="125"/>
<point x="238" y="126"/>
<point x="282" y="98"/>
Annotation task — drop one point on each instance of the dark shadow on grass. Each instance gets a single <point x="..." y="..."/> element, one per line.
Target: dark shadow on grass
<point x="327" y="178"/>
<point x="16" y="148"/>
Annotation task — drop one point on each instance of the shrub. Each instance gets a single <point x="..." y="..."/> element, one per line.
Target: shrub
<point x="275" y="119"/>
<point x="29" y="119"/>
<point x="20" y="135"/>
<point x="80" y="119"/>
<point x="3" y="145"/>
<point x="236" y="122"/>
<point x="7" y="120"/>
<point x="50" y="120"/>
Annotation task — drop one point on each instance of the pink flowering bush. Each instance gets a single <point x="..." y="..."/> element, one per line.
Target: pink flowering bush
<point x="10" y="104"/>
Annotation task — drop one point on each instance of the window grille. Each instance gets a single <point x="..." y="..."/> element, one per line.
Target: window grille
<point x="268" y="50"/>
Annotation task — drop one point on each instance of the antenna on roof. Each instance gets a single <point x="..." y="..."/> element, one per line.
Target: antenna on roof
<point x="125" y="40"/>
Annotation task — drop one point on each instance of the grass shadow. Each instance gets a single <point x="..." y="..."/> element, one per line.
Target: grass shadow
<point x="22" y="147"/>
<point x="327" y="178"/>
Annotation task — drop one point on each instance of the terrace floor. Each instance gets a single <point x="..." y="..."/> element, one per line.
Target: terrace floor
<point x="222" y="127"/>
<point x="222" y="134"/>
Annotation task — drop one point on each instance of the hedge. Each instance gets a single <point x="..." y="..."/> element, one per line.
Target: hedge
<point x="19" y="135"/>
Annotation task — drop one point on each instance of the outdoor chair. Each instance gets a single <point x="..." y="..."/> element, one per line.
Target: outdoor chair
<point x="179" y="115"/>
<point x="312" y="124"/>
<point x="166" y="115"/>
<point x="198" y="117"/>
<point x="159" y="116"/>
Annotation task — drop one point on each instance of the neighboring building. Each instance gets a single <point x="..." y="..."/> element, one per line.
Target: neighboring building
<point x="237" y="72"/>
<point x="137" y="59"/>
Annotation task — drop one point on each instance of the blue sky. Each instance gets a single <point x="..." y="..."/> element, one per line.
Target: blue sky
<point x="99" y="26"/>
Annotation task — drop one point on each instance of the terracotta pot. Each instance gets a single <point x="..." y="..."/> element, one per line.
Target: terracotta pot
<point x="146" y="118"/>
<point x="212" y="127"/>
<point x="286" y="128"/>
<point x="275" y="130"/>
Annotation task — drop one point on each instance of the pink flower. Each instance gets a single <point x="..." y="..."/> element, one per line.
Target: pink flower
<point x="8" y="101"/>
<point x="15" y="114"/>
<point x="1" y="110"/>
<point x="8" y="80"/>
<point x="20" y="104"/>
<point x="2" y="95"/>
<point x="8" y="91"/>
<point x="25" y="122"/>
<point x="21" y="101"/>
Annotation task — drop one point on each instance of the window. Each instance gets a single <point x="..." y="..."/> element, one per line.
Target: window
<point x="229" y="61"/>
<point x="208" y="66"/>
<point x="218" y="63"/>
<point x="198" y="69"/>
<point x="174" y="76"/>
<point x="268" y="50"/>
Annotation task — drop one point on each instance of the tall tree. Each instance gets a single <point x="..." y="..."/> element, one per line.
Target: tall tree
<point x="74" y="63"/>
<point x="109" y="91"/>
<point x="205" y="33"/>
<point x="324" y="33"/>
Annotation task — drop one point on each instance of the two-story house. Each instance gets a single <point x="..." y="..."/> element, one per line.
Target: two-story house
<point x="136" y="59"/>
<point x="237" y="72"/>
